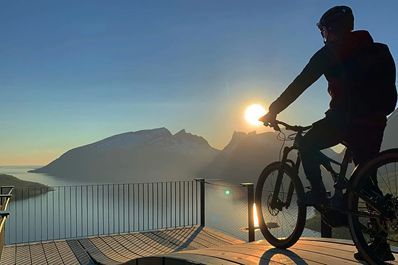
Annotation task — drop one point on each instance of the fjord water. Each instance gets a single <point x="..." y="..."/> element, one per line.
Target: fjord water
<point x="73" y="209"/>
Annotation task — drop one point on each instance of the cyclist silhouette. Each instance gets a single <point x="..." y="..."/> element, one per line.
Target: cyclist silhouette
<point x="361" y="83"/>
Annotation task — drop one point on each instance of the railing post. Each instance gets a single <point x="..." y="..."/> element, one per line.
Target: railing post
<point x="202" y="200"/>
<point x="1" y="242"/>
<point x="326" y="229"/>
<point x="5" y="198"/>
<point x="250" y="204"/>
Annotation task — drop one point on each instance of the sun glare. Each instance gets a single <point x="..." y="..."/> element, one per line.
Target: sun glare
<point x="253" y="113"/>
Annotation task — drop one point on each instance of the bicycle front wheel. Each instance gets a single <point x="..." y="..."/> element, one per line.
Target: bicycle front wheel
<point x="373" y="207"/>
<point x="281" y="216"/>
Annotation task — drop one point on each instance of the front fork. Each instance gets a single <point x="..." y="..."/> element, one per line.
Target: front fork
<point x="276" y="202"/>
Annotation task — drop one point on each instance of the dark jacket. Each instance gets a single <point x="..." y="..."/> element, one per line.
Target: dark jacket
<point x="337" y="63"/>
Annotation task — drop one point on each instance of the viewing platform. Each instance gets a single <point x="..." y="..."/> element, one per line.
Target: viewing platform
<point x="305" y="251"/>
<point x="116" y="249"/>
<point x="194" y="245"/>
<point x="148" y="224"/>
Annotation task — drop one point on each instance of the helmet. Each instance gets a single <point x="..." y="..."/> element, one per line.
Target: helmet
<point x="337" y="19"/>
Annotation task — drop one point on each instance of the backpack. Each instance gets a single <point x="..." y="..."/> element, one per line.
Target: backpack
<point x="371" y="75"/>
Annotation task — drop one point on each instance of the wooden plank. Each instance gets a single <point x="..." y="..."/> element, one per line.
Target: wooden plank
<point x="80" y="253"/>
<point x="52" y="255"/>
<point x="158" y="248"/>
<point x="216" y="239"/>
<point x="308" y="255"/>
<point x="180" y="235"/>
<point x="226" y="254"/>
<point x="131" y="245"/>
<point x="107" y="250"/>
<point x="8" y="255"/>
<point x="37" y="254"/>
<point x="178" y="258"/>
<point x="184" y="239"/>
<point x="334" y="248"/>
<point x="119" y="248"/>
<point x="182" y="244"/>
<point x="163" y="241"/>
<point x="209" y="241"/>
<point x="329" y="240"/>
<point x="95" y="253"/>
<point x="269" y="253"/>
<point x="23" y="255"/>
<point x="66" y="253"/>
<point x="222" y="254"/>
<point x="140" y="247"/>
<point x="223" y="236"/>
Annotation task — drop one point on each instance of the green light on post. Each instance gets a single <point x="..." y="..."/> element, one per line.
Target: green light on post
<point x="227" y="192"/>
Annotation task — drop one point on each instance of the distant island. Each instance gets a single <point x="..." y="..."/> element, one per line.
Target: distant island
<point x="23" y="189"/>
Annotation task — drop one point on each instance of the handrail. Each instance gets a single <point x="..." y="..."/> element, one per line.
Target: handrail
<point x="3" y="214"/>
<point x="66" y="212"/>
<point x="7" y="201"/>
<point x="7" y="196"/>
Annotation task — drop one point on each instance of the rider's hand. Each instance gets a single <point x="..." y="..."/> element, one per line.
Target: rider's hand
<point x="268" y="119"/>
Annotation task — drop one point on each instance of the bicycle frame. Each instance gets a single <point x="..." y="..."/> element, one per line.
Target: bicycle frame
<point x="339" y="178"/>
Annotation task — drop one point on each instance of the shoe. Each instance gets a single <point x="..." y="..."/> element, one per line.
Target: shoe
<point x="337" y="201"/>
<point x="382" y="250"/>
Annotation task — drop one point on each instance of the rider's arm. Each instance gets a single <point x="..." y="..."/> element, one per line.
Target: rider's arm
<point x="311" y="72"/>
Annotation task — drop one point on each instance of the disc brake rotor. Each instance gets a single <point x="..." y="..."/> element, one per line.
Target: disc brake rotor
<point x="272" y="210"/>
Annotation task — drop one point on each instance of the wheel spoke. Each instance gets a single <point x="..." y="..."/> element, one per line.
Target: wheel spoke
<point x="374" y="218"/>
<point x="281" y="222"/>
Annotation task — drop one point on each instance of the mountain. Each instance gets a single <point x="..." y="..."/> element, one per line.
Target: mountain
<point x="390" y="139"/>
<point x="243" y="159"/>
<point x="158" y="155"/>
<point x="246" y="155"/>
<point x="23" y="189"/>
<point x="136" y="156"/>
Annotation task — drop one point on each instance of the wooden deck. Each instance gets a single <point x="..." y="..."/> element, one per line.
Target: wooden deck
<point x="306" y="251"/>
<point x="116" y="249"/>
<point x="194" y="245"/>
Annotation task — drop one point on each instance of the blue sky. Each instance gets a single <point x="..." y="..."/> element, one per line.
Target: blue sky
<point x="74" y="72"/>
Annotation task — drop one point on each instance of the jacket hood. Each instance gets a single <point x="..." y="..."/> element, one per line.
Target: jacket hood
<point x="361" y="37"/>
<point x="355" y="41"/>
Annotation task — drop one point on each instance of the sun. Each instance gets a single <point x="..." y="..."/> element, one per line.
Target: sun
<point x="253" y="113"/>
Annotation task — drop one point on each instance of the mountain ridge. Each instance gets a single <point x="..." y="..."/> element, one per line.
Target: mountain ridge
<point x="135" y="155"/>
<point x="158" y="152"/>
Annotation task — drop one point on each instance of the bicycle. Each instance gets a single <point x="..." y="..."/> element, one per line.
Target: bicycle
<point x="368" y="201"/>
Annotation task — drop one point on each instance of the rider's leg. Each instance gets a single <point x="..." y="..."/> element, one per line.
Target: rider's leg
<point x="365" y="144"/>
<point x="323" y="134"/>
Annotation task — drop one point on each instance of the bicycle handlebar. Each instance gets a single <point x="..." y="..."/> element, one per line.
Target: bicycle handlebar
<point x="289" y="127"/>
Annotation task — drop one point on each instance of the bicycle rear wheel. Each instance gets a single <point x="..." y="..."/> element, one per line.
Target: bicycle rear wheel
<point x="373" y="207"/>
<point x="281" y="222"/>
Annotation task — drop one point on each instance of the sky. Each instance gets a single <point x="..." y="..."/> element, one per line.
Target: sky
<point x="74" y="72"/>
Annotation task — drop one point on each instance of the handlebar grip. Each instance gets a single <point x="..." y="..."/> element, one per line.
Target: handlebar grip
<point x="273" y="125"/>
<point x="276" y="127"/>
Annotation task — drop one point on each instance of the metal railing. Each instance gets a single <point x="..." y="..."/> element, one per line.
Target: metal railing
<point x="5" y="196"/>
<point x="65" y="212"/>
